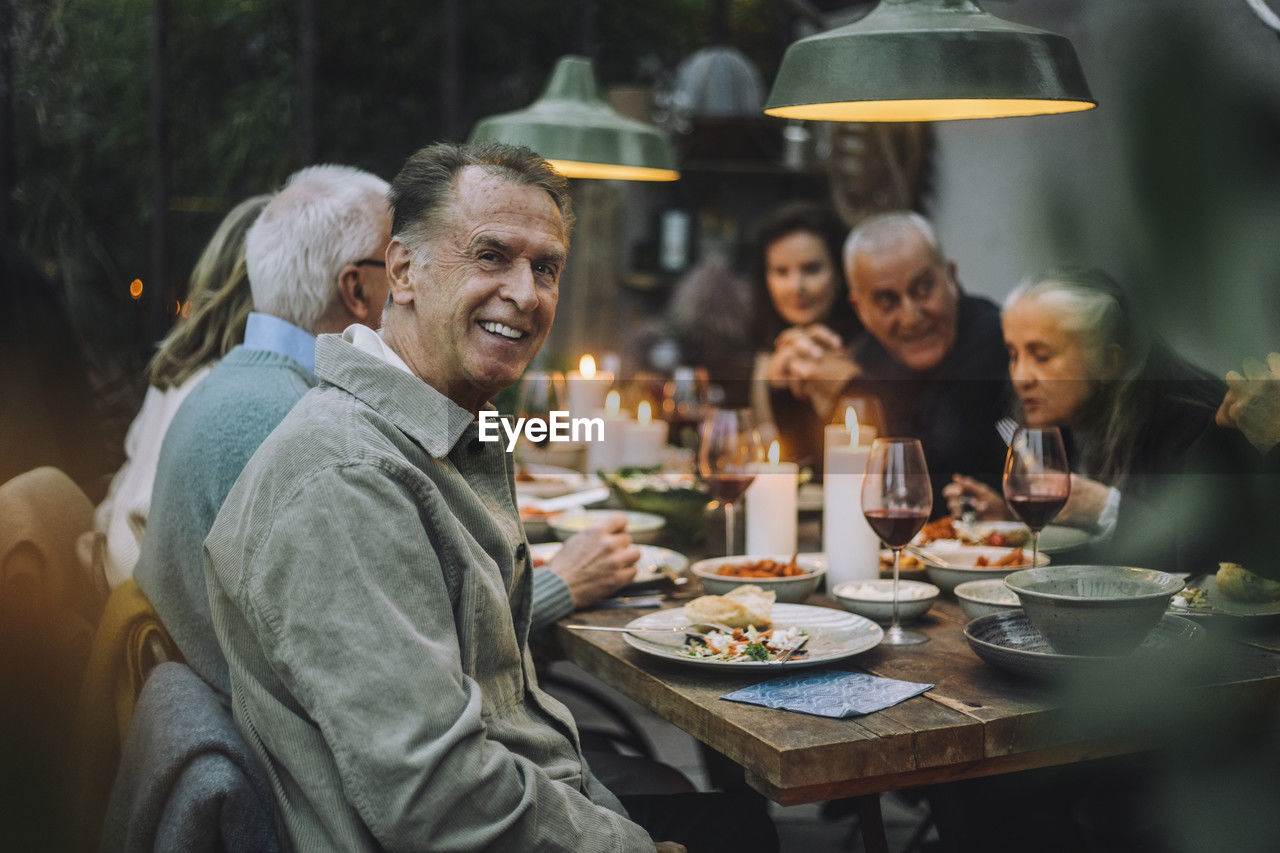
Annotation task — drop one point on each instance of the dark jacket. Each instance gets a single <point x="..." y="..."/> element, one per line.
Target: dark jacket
<point x="953" y="408"/>
<point x="1196" y="494"/>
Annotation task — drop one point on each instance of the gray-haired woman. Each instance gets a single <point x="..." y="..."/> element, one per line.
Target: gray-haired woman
<point x="1153" y="470"/>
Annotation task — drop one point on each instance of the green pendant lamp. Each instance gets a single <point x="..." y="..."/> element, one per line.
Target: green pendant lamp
<point x="580" y="134"/>
<point x="928" y="60"/>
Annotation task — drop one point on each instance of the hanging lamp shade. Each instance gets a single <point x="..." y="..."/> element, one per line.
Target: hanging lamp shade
<point x="928" y="60"/>
<point x="718" y="82"/>
<point x="580" y="134"/>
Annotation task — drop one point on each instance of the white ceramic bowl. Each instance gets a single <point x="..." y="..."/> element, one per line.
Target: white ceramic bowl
<point x="962" y="560"/>
<point x="792" y="590"/>
<point x="1094" y="610"/>
<point x="874" y="598"/>
<point x="644" y="527"/>
<point x="982" y="598"/>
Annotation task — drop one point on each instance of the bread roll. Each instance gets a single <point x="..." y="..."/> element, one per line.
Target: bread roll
<point x="743" y="607"/>
<point x="1239" y="583"/>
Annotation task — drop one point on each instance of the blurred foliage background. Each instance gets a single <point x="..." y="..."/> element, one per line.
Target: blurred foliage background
<point x="82" y="116"/>
<point x="383" y="80"/>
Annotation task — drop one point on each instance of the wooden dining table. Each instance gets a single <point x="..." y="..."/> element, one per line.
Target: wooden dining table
<point x="975" y="721"/>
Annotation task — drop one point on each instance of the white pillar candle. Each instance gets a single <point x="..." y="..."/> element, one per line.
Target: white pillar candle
<point x="587" y="388"/>
<point x="852" y="548"/>
<point x="771" y="507"/>
<point x="644" y="438"/>
<point x="606" y="454"/>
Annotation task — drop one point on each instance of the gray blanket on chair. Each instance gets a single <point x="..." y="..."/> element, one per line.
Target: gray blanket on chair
<point x="187" y="781"/>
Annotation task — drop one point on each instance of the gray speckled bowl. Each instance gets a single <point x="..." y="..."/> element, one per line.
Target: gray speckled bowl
<point x="1009" y="642"/>
<point x="982" y="598"/>
<point x="1094" y="610"/>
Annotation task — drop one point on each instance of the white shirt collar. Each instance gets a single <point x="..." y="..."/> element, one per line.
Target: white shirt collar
<point x="367" y="340"/>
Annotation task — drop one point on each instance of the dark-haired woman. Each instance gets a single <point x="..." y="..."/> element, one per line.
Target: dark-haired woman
<point x="799" y="287"/>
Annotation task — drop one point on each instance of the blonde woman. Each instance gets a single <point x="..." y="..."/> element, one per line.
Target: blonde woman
<point x="212" y="322"/>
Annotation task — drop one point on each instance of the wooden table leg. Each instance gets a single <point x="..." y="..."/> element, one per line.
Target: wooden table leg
<point x="872" y="824"/>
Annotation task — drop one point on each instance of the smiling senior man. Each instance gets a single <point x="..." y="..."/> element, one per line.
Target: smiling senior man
<point x="369" y="575"/>
<point x="934" y="356"/>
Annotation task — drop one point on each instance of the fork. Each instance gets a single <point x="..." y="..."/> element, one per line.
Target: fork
<point x="688" y="629"/>
<point x="1006" y="427"/>
<point x="786" y="656"/>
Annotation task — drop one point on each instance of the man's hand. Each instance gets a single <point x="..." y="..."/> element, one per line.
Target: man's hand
<point x="1252" y="403"/>
<point x="670" y="847"/>
<point x="597" y="562"/>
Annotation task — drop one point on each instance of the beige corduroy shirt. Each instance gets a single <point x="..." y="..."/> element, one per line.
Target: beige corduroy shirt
<point x="369" y="581"/>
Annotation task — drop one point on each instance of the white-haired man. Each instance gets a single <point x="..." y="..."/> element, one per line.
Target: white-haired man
<point x="316" y="263"/>
<point x="934" y="356"/>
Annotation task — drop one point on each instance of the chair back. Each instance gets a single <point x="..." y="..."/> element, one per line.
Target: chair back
<point x="187" y="780"/>
<point x="129" y="643"/>
<point x="48" y="607"/>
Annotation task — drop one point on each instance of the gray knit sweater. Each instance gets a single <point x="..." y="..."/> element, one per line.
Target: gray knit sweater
<point x="217" y="428"/>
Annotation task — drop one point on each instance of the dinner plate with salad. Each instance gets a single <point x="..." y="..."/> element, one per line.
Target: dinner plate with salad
<point x="828" y="635"/>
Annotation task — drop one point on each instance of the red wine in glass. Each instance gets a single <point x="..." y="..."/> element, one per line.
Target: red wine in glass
<point x="1037" y="479"/>
<point x="728" y="488"/>
<point x="896" y="499"/>
<point x="728" y="452"/>
<point x="896" y="527"/>
<point x="1036" y="511"/>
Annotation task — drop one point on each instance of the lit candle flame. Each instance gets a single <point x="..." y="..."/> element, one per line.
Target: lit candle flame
<point x="612" y="402"/>
<point x="775" y="454"/>
<point x="851" y="424"/>
<point x="644" y="412"/>
<point x="587" y="367"/>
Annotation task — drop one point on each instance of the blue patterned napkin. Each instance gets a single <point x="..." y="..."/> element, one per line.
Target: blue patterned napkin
<point x="829" y="693"/>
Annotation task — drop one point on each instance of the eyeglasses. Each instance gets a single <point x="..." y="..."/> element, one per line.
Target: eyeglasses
<point x="369" y="262"/>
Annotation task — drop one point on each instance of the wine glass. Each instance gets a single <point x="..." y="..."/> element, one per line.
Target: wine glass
<point x="896" y="500"/>
<point x="728" y="451"/>
<point x="1037" y="479"/>
<point x="541" y="393"/>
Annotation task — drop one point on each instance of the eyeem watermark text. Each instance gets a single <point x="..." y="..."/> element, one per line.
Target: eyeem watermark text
<point x="557" y="427"/>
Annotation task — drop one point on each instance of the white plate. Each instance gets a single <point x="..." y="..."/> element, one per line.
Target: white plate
<point x="548" y="480"/>
<point x="1220" y="606"/>
<point x="644" y="527"/>
<point x="649" y="567"/>
<point x="1058" y="537"/>
<point x="833" y="635"/>
<point x="1054" y="538"/>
